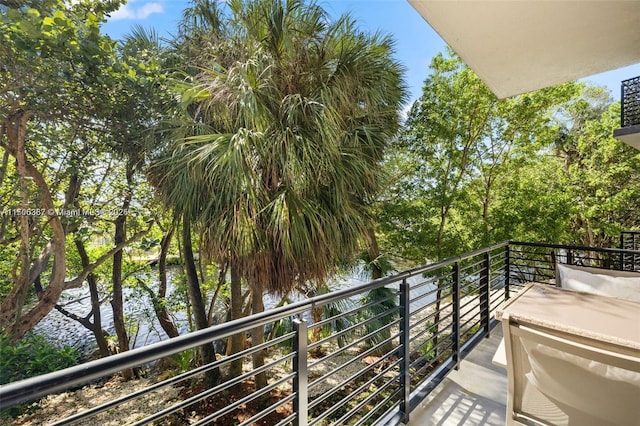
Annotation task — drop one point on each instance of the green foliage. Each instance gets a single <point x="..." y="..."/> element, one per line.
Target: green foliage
<point x="82" y="103"/>
<point x="185" y="360"/>
<point x="533" y="204"/>
<point x="332" y="310"/>
<point x="277" y="151"/>
<point x="31" y="356"/>
<point x="427" y="350"/>
<point x="601" y="173"/>
<point x="382" y="300"/>
<point x="57" y="56"/>
<point x="7" y="257"/>
<point x="381" y="264"/>
<point x="338" y="324"/>
<point x="470" y="170"/>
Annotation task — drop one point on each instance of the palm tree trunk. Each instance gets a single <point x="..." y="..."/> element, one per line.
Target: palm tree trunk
<point x="257" y="338"/>
<point x="207" y="351"/>
<point x="374" y="252"/>
<point x="237" y="340"/>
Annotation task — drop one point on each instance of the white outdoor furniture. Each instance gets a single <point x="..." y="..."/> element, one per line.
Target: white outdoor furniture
<point x="572" y="358"/>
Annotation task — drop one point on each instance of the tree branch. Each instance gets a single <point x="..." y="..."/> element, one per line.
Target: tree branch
<point x="77" y="281"/>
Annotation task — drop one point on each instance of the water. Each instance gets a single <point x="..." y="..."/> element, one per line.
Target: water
<point x="143" y="326"/>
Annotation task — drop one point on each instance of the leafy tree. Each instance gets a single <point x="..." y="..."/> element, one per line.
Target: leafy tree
<point x="73" y="105"/>
<point x="532" y="202"/>
<point x="55" y="77"/>
<point x="602" y="173"/>
<point x="142" y="99"/>
<point x="459" y="144"/>
<point x="444" y="129"/>
<point x="289" y="117"/>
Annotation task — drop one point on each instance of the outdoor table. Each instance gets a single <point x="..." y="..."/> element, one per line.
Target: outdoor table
<point x="603" y="320"/>
<point x="572" y="358"/>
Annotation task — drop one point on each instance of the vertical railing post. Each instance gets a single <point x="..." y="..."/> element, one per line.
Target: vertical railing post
<point x="485" y="292"/>
<point x="634" y="258"/>
<point x="622" y="105"/>
<point x="621" y="254"/>
<point x="456" y="314"/>
<point x="507" y="271"/>
<point x="569" y="257"/>
<point x="405" y="353"/>
<point x="635" y="245"/>
<point x="301" y="378"/>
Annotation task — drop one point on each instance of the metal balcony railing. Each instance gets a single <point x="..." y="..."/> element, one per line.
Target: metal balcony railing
<point x="630" y="240"/>
<point x="365" y="355"/>
<point x="630" y="100"/>
<point x="533" y="262"/>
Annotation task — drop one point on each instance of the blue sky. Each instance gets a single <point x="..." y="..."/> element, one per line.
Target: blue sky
<point x="416" y="41"/>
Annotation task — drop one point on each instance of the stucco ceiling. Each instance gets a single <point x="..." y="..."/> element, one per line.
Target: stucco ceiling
<point x="516" y="46"/>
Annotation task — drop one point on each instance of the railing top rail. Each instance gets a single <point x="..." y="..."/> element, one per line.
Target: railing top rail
<point x="570" y="247"/>
<point x="630" y="79"/>
<point x="630" y="102"/>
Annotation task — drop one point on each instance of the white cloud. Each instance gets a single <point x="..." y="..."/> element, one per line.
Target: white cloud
<point x="148" y="9"/>
<point x="128" y="11"/>
<point x="124" y="12"/>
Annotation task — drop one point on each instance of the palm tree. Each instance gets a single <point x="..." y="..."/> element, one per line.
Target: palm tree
<point x="289" y="118"/>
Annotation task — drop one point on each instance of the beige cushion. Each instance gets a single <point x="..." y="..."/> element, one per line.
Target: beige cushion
<point x="593" y="388"/>
<point x="604" y="282"/>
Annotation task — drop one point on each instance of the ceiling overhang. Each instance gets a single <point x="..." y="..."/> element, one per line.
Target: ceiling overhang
<point x="520" y="46"/>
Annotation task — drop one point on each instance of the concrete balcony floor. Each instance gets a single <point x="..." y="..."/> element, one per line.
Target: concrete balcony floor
<point x="476" y="394"/>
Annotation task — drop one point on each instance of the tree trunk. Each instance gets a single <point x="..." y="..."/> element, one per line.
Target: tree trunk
<point x="316" y="333"/>
<point x="436" y="319"/>
<point x="17" y="325"/>
<point x="257" y="338"/>
<point x="222" y="280"/>
<point x="374" y="252"/>
<point x="207" y="351"/>
<point x="159" y="301"/>
<point x="96" y="326"/>
<point x="485" y="210"/>
<point x="117" y="301"/>
<point x="376" y="272"/>
<point x="237" y="340"/>
<point x="25" y="253"/>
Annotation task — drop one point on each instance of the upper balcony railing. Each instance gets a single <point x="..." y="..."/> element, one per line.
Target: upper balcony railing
<point x="360" y="356"/>
<point x="630" y="99"/>
<point x="630" y="240"/>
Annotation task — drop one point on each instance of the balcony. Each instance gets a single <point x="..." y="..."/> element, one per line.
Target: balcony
<point x="414" y="348"/>
<point x="474" y="395"/>
<point x="629" y="131"/>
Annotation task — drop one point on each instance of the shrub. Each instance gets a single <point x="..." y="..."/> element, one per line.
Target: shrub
<point x="31" y="356"/>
